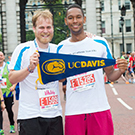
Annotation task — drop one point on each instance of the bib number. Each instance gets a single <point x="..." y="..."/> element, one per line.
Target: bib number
<point x="82" y="82"/>
<point x="48" y="99"/>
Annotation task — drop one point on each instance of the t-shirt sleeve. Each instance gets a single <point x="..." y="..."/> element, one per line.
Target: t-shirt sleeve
<point x="107" y="52"/>
<point x="14" y="58"/>
<point x="130" y="59"/>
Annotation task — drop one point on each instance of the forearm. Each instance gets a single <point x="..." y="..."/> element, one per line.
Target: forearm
<point x="1" y="94"/>
<point x="114" y="75"/>
<point x="2" y="101"/>
<point x="12" y="88"/>
<point x="16" y="76"/>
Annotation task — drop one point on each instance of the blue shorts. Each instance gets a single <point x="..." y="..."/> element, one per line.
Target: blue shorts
<point x="130" y="71"/>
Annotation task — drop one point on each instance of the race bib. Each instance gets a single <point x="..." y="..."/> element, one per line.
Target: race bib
<point x="48" y="99"/>
<point x="4" y="83"/>
<point x="82" y="82"/>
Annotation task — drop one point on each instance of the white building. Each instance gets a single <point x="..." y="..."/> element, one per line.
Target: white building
<point x="115" y="32"/>
<point x="10" y="27"/>
<point x="103" y="23"/>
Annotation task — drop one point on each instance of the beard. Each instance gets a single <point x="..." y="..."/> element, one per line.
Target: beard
<point x="44" y="40"/>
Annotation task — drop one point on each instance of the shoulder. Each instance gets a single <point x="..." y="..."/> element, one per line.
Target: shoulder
<point x="25" y="45"/>
<point x="64" y="42"/>
<point x="102" y="41"/>
<point x="52" y="45"/>
<point x="5" y="65"/>
<point x="22" y="49"/>
<point x="99" y="39"/>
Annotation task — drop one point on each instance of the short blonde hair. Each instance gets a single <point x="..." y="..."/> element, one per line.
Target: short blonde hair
<point x="44" y="13"/>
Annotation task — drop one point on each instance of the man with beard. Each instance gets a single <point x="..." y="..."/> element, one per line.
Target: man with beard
<point x="87" y="107"/>
<point x="36" y="116"/>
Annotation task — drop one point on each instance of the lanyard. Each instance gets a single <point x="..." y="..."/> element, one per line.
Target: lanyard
<point x="38" y="64"/>
<point x="37" y="46"/>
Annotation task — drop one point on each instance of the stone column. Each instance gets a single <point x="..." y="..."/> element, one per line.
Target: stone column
<point x="91" y="16"/>
<point x="3" y="26"/>
<point x="98" y="18"/>
<point x="133" y="4"/>
<point x="11" y="21"/>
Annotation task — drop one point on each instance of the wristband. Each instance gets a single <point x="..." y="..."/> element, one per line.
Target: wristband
<point x="2" y="100"/>
<point x="30" y="70"/>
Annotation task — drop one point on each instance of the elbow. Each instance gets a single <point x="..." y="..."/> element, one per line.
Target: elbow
<point x="10" y="78"/>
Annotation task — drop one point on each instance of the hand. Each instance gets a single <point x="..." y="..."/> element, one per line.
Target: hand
<point x="122" y="65"/>
<point x="2" y="106"/>
<point x="12" y="88"/>
<point x="90" y="35"/>
<point x="62" y="80"/>
<point x="34" y="60"/>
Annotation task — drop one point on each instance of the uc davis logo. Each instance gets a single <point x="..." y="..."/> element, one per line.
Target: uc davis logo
<point x="53" y="66"/>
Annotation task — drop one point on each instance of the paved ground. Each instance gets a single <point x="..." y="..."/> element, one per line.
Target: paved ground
<point x="15" y="109"/>
<point x="121" y="97"/>
<point x="123" y="116"/>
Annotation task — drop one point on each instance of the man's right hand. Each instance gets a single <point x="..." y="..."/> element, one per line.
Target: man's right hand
<point x="34" y="60"/>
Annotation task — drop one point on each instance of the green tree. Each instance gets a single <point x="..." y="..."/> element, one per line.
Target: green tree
<point x="30" y="35"/>
<point x="50" y="1"/>
<point x="79" y="2"/>
<point x="61" y="31"/>
<point x="0" y="38"/>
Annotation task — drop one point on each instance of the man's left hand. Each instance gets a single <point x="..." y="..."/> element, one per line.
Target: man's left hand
<point x="122" y="64"/>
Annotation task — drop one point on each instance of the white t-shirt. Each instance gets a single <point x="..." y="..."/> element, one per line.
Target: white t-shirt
<point x="86" y="92"/>
<point x="29" y="103"/>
